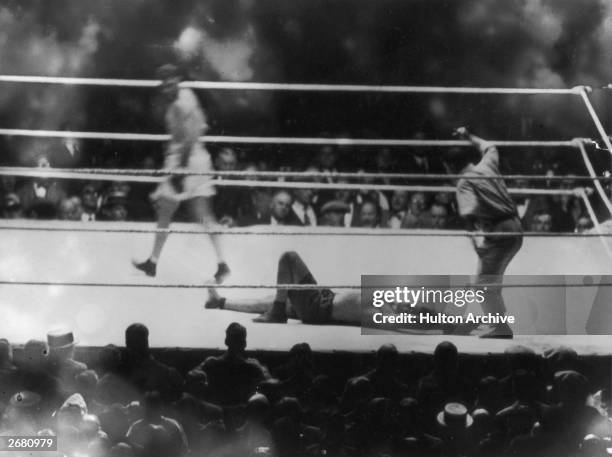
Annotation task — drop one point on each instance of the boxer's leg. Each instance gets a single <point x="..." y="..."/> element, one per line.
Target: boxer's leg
<point x="202" y="212"/>
<point x="166" y="207"/>
<point x="291" y="270"/>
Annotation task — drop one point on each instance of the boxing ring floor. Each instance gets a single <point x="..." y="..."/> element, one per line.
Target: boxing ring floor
<point x="176" y="316"/>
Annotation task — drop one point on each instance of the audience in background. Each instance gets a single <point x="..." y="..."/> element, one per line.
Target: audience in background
<point x="247" y="206"/>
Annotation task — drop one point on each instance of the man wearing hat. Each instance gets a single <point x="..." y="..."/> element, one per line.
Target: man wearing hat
<point x="454" y="423"/>
<point x="486" y="205"/>
<point x="333" y="213"/>
<point x="61" y="359"/>
<point x="185" y="122"/>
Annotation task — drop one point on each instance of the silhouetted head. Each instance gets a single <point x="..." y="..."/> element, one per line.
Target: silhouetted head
<point x="387" y="358"/>
<point x="235" y="337"/>
<point x="137" y="338"/>
<point x="446" y="357"/>
<point x="152" y="404"/>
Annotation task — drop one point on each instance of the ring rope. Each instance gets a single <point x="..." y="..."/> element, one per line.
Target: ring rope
<point x="354" y="231"/>
<point x="285" y="86"/>
<point x="271" y="184"/>
<point x="65" y="172"/>
<point x="591" y="171"/>
<point x="274" y="140"/>
<point x="273" y="286"/>
<point x="595" y="118"/>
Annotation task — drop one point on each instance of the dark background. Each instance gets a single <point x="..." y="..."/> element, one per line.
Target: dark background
<point x="527" y="43"/>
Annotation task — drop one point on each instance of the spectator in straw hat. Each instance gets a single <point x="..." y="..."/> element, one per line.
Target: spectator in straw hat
<point x="454" y="425"/>
<point x="333" y="213"/>
<point x="61" y="359"/>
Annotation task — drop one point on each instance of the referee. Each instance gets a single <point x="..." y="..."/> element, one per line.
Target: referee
<point x="486" y="205"/>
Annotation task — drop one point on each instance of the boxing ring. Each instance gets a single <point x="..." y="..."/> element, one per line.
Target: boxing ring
<point x="79" y="275"/>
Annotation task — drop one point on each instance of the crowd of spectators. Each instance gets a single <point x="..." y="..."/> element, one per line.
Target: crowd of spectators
<point x="246" y="206"/>
<point x="131" y="404"/>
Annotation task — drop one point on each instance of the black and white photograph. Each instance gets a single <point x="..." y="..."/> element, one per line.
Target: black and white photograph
<point x="305" y="228"/>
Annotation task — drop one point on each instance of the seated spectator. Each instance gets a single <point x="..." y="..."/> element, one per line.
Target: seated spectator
<point x="372" y="431"/>
<point x="254" y="434"/>
<point x="322" y="401"/>
<point x="112" y="387"/>
<point x="66" y="152"/>
<point x="444" y="384"/>
<point x="325" y="162"/>
<point x="257" y="212"/>
<point x="333" y="213"/>
<point x="583" y="224"/>
<point x="286" y="439"/>
<point x="410" y="430"/>
<point x="454" y="425"/>
<point x="519" y="417"/>
<point x="62" y="365"/>
<point x="114" y="204"/>
<point x="357" y="393"/>
<point x="9" y="373"/>
<point x="70" y="209"/>
<point x="8" y="185"/>
<point x="488" y="395"/>
<point x="369" y="215"/>
<point x="35" y="377"/>
<point x="229" y="200"/>
<point x="291" y="408"/>
<point x="369" y="195"/>
<point x="447" y="199"/>
<point x="346" y="196"/>
<point x="85" y="384"/>
<point x="280" y="211"/>
<point x="142" y="370"/>
<point x="561" y="358"/>
<point x="541" y="222"/>
<point x="566" y="209"/>
<point x="77" y="428"/>
<point x="399" y="205"/>
<point x="91" y="202"/>
<point x="383" y="378"/>
<point x="416" y="216"/>
<point x="114" y="212"/>
<point x="576" y="418"/>
<point x="40" y="197"/>
<point x="156" y="433"/>
<point x="11" y="207"/>
<point x="438" y="216"/>
<point x="297" y="374"/>
<point x="303" y="208"/>
<point x="232" y="377"/>
<point x="520" y="359"/>
<point x="114" y="421"/>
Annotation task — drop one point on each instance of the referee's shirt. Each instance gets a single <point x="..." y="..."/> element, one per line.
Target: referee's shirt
<point x="485" y="200"/>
